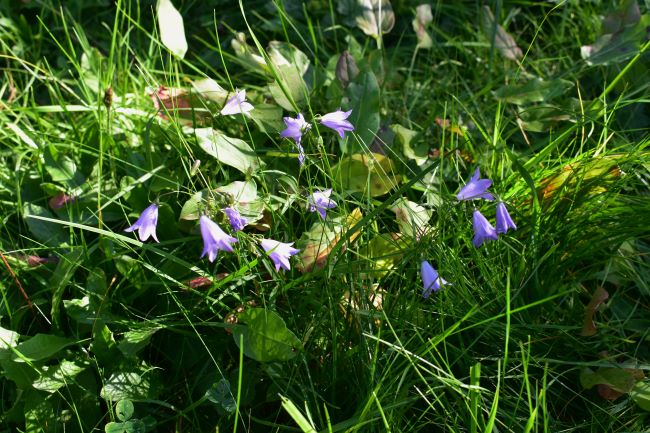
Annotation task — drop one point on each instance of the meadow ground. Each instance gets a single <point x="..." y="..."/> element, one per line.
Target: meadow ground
<point x="266" y="216"/>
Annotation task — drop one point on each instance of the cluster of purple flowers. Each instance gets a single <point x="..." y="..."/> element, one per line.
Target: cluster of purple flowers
<point x="476" y="188"/>
<point x="215" y="239"/>
<point x="295" y="129"/>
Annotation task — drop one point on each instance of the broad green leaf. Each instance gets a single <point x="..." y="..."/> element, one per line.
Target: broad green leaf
<point x="293" y="84"/>
<point x="41" y="346"/>
<point x="285" y="54"/>
<point x="541" y="118"/>
<point x="51" y="234"/>
<point x="418" y="153"/>
<point x="247" y="54"/>
<point x="641" y="394"/>
<point x="135" y="340"/>
<point x="383" y="252"/>
<point x="220" y="394"/>
<point x="124" y="410"/>
<point x="58" y="376"/>
<point x="502" y="39"/>
<point x="211" y="90"/>
<point x="370" y="173"/>
<point x="623" y="33"/>
<point x="266" y="337"/>
<point x="228" y="150"/>
<point x="243" y="197"/>
<point x="619" y="379"/>
<point x="8" y="339"/>
<point x="536" y="90"/>
<point x="21" y="373"/>
<point x="131" y="426"/>
<point x="131" y="269"/>
<point x="39" y="415"/>
<point x="131" y="385"/>
<point x="268" y="118"/>
<point x="363" y="94"/>
<point x="172" y="30"/>
<point x="191" y="210"/>
<point x="316" y="244"/>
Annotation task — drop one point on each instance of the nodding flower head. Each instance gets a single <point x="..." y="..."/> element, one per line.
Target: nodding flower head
<point x="146" y="224"/>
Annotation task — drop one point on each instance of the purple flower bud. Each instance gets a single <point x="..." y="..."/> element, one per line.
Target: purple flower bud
<point x="214" y="239"/>
<point x="320" y="201"/>
<point x="483" y="230"/>
<point x="279" y="252"/>
<point x="146" y="224"/>
<point x="430" y="279"/>
<point x="504" y="222"/>
<point x="237" y="104"/>
<point x="337" y="121"/>
<point x="237" y="222"/>
<point x="475" y="188"/>
<point x="60" y="200"/>
<point x="346" y="68"/>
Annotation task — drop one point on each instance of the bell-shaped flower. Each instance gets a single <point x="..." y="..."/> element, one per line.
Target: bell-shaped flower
<point x="320" y="201"/>
<point x="504" y="222"/>
<point x="295" y="128"/>
<point x="237" y="104"/>
<point x="483" y="230"/>
<point x="146" y="224"/>
<point x="431" y="281"/>
<point x="237" y="222"/>
<point x="337" y="121"/>
<point x="214" y="239"/>
<point x="279" y="252"/>
<point x="475" y="188"/>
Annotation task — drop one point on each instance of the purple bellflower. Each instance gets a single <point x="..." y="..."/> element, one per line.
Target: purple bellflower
<point x="475" y="188"/>
<point x="294" y="130"/>
<point x="279" y="252"/>
<point x="320" y="201"/>
<point x="504" y="222"/>
<point x="237" y="104"/>
<point x="146" y="224"/>
<point x="237" y="222"/>
<point x="214" y="239"/>
<point x="483" y="230"/>
<point x="336" y="120"/>
<point x="430" y="279"/>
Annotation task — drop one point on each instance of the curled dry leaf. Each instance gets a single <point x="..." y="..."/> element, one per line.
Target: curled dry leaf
<point x="423" y="17"/>
<point x="588" y="325"/>
<point x="377" y="16"/>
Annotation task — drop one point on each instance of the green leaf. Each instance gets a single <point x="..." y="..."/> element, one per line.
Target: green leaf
<point x="221" y="394"/>
<point x="51" y="234"/>
<point x="172" y="30"/>
<point x="191" y="210"/>
<point x="21" y="373"/>
<point x="370" y="173"/>
<point x="124" y="410"/>
<point x="132" y="426"/>
<point x="39" y="415"/>
<point x="306" y="425"/>
<point x="58" y="376"/>
<point x="129" y="385"/>
<point x="8" y="339"/>
<point x="536" y="90"/>
<point x="136" y="340"/>
<point x="62" y="169"/>
<point x="266" y="337"/>
<point x="243" y="197"/>
<point x="641" y="394"/>
<point x="619" y="45"/>
<point x="227" y="150"/>
<point x="619" y="379"/>
<point x="41" y="346"/>
<point x="294" y="85"/>
<point x="363" y="94"/>
<point x="419" y="153"/>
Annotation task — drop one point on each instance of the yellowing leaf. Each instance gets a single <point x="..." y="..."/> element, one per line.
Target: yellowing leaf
<point x="370" y="173"/>
<point x="316" y="244"/>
